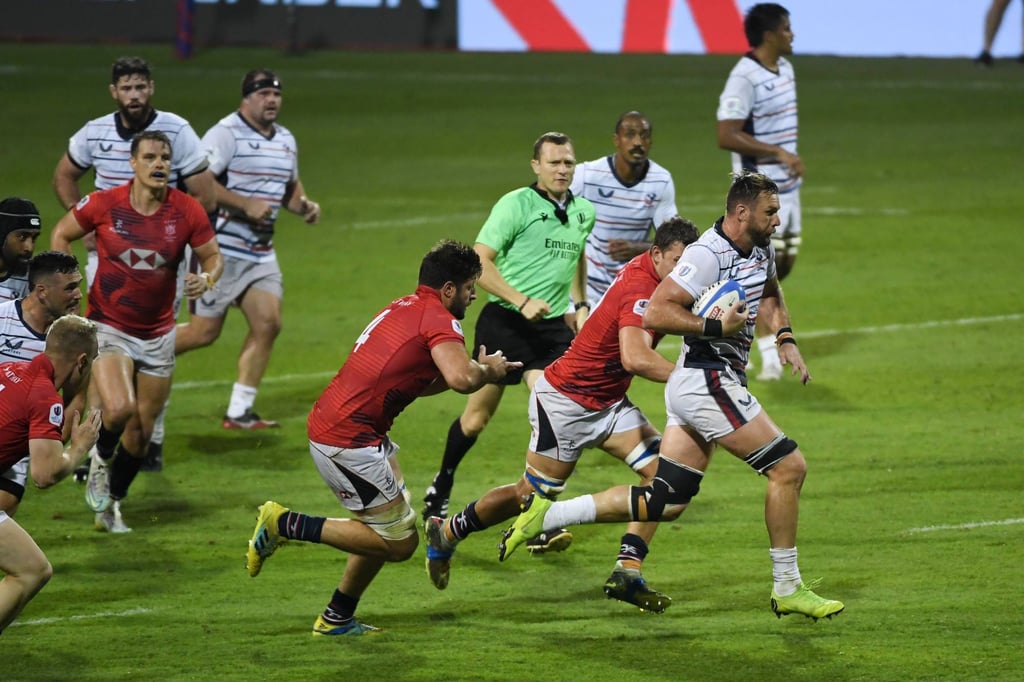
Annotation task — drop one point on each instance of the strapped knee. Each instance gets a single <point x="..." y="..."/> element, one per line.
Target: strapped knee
<point x="545" y="486"/>
<point x="393" y="524"/>
<point x="767" y="456"/>
<point x="643" y="452"/>
<point x="673" y="487"/>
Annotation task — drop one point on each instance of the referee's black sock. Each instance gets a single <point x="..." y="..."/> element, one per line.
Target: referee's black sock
<point x="456" y="447"/>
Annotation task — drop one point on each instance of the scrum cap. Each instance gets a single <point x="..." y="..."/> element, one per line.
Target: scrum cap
<point x="18" y="214"/>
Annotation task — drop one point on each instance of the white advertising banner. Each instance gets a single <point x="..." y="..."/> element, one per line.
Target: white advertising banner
<point x="932" y="28"/>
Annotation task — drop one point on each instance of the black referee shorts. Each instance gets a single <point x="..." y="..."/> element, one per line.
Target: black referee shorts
<point x="535" y="344"/>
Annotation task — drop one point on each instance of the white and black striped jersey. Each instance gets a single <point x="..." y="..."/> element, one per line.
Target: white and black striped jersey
<point x="712" y="258"/>
<point x="13" y="287"/>
<point x="624" y="211"/>
<point x="253" y="165"/>
<point x="18" y="341"/>
<point x="766" y="101"/>
<point x="104" y="145"/>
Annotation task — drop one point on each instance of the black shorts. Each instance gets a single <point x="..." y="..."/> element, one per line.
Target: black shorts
<point x="535" y="344"/>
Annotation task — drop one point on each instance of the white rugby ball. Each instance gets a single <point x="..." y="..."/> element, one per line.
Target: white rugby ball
<point x="718" y="298"/>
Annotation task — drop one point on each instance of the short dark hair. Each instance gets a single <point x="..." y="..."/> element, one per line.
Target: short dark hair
<point x="553" y="138"/>
<point x="449" y="261"/>
<point x="766" y="16"/>
<point x="675" y="229"/>
<point x="49" y="263"/>
<point x="154" y="135"/>
<point x="631" y="114"/>
<point x="129" y="66"/>
<point x="746" y="187"/>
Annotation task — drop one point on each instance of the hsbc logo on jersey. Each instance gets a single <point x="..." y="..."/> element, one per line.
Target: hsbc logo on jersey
<point x="142" y="259"/>
<point x="57" y="414"/>
<point x="640" y="306"/>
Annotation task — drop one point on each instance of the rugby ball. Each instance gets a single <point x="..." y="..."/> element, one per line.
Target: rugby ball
<point x="718" y="298"/>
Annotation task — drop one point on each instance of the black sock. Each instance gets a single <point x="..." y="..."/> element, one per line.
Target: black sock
<point x="299" y="526"/>
<point x="632" y="548"/>
<point x="341" y="608"/>
<point x="455" y="448"/>
<point x="106" y="442"/>
<point x="122" y="473"/>
<point x="466" y="522"/>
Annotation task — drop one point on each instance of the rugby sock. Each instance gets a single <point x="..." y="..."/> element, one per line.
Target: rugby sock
<point x="632" y="552"/>
<point x="299" y="526"/>
<point x="785" y="571"/>
<point x="341" y="609"/>
<point x="106" y="442"/>
<point x="769" y="352"/>
<point x="242" y="399"/>
<point x="466" y="522"/>
<point x="158" y="425"/>
<point x="456" y="447"/>
<point x="122" y="473"/>
<point x="572" y="512"/>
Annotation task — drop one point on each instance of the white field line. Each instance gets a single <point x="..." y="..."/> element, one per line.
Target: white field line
<point x="964" y="526"/>
<point x="668" y="343"/>
<point x="84" y="616"/>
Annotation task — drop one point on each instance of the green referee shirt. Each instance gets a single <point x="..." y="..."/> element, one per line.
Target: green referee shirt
<point x="537" y="254"/>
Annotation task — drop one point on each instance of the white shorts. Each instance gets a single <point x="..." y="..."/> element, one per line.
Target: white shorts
<point x="151" y="356"/>
<point x="787" y="236"/>
<point x="14" y="479"/>
<point x="562" y="428"/>
<point x="361" y="478"/>
<point x="239" y="276"/>
<point x="713" y="402"/>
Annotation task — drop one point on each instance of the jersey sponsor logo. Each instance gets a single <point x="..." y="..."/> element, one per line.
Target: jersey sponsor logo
<point x="457" y="328"/>
<point x="685" y="271"/>
<point x="640" y="306"/>
<point x="13" y="345"/>
<point x="106" y="148"/>
<point x="746" y="403"/>
<point x="254" y="145"/>
<point x="606" y="196"/>
<point x="82" y="202"/>
<point x="57" y="414"/>
<point x="142" y="259"/>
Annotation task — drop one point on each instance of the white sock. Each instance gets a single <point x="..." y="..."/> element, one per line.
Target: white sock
<point x="769" y="352"/>
<point x="785" y="571"/>
<point x="242" y="399"/>
<point x="158" y="425"/>
<point x="571" y="512"/>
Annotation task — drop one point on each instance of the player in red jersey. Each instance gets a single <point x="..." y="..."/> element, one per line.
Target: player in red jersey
<point x="580" y="402"/>
<point x="31" y="423"/>
<point x="414" y="347"/>
<point x="142" y="229"/>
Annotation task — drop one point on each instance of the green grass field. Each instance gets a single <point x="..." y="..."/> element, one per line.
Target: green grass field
<point x="904" y="300"/>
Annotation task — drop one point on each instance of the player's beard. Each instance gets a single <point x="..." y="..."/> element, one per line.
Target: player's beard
<point x="135" y="119"/>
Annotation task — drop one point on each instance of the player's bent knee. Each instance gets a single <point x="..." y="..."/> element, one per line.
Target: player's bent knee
<point x="667" y="497"/>
<point x="644" y="454"/>
<point x="397" y="526"/>
<point x="770" y="454"/>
